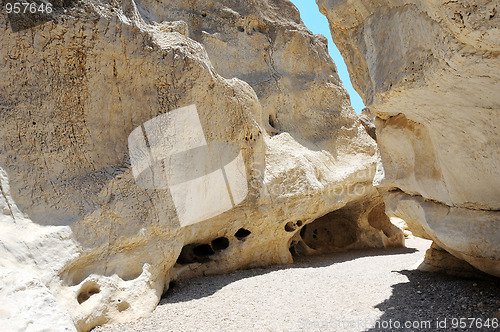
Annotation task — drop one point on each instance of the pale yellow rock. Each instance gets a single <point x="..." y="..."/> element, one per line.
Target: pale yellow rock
<point x="430" y="72"/>
<point x="403" y="225"/>
<point x="440" y="261"/>
<point x="99" y="246"/>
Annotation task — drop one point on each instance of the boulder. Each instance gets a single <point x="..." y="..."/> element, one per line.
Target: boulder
<point x="144" y="142"/>
<point x="430" y="72"/>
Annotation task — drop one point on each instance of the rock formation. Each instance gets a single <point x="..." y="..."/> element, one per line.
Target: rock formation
<point x="438" y="260"/>
<point x="94" y="93"/>
<point x="368" y="121"/>
<point x="430" y="72"/>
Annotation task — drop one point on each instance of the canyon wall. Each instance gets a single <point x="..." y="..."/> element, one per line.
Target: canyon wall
<point x="430" y="72"/>
<point x="144" y="142"/>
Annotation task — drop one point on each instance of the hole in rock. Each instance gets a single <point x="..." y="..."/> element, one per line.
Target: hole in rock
<point x="271" y="121"/>
<point x="315" y="234"/>
<point x="122" y="306"/>
<point x="290" y="226"/>
<point x="220" y="243"/>
<point x="195" y="253"/>
<point x="88" y="289"/>
<point x="242" y="233"/>
<point x="203" y="250"/>
<point x="241" y="29"/>
<point x="292" y="248"/>
<point x="298" y="248"/>
<point x="187" y="255"/>
<point x="299" y="223"/>
<point x="331" y="232"/>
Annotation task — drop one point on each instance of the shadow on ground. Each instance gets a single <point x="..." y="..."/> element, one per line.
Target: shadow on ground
<point x="200" y="287"/>
<point x="436" y="302"/>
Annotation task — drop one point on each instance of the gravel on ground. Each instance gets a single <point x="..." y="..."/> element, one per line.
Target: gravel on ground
<point x="365" y="290"/>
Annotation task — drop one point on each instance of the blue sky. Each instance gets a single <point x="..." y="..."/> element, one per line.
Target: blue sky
<point x="317" y="23"/>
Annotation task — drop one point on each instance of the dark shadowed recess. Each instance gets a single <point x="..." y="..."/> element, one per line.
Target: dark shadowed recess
<point x="200" y="253"/>
<point x="338" y="230"/>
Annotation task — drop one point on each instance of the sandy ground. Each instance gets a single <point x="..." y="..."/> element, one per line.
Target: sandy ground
<point x="372" y="290"/>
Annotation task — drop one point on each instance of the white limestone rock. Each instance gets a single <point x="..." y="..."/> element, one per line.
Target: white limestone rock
<point x="430" y="72"/>
<point x="93" y="236"/>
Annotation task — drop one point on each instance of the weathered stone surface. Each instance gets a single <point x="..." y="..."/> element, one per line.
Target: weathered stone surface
<point x="368" y="121"/>
<point x="439" y="260"/>
<point x="95" y="244"/>
<point x="450" y="228"/>
<point x="430" y="72"/>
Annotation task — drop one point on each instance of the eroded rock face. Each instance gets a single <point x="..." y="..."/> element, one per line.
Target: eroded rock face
<point x="430" y="71"/>
<point x="439" y="260"/>
<point x="97" y="244"/>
